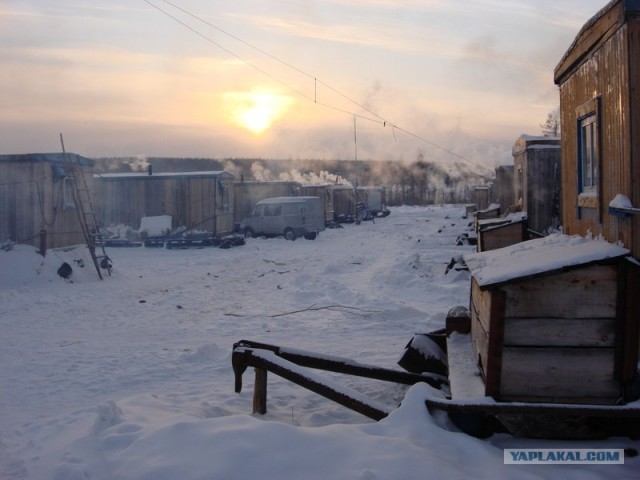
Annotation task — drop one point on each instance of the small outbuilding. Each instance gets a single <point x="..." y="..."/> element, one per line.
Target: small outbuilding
<point x="553" y="320"/>
<point x="537" y="181"/>
<point x="37" y="204"/>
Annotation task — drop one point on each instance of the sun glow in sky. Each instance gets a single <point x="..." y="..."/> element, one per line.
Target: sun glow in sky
<point x="238" y="79"/>
<point x="257" y="110"/>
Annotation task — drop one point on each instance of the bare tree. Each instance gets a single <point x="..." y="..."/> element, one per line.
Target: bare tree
<point x="551" y="127"/>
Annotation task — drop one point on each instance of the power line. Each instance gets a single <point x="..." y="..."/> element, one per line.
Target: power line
<point x="378" y="120"/>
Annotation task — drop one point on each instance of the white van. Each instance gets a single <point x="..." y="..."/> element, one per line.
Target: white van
<point x="291" y="217"/>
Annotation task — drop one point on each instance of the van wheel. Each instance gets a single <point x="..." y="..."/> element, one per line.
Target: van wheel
<point x="289" y="234"/>
<point x="311" y="235"/>
<point x="248" y="232"/>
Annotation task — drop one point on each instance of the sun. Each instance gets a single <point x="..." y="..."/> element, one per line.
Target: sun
<point x="257" y="110"/>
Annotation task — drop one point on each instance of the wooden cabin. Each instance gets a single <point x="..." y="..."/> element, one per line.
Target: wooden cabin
<point x="552" y="320"/>
<point x="599" y="85"/>
<point x="344" y="203"/>
<point x="199" y="201"/>
<point x="248" y="193"/>
<point x="37" y="195"/>
<point x="482" y="195"/>
<point x="325" y="192"/>
<point x="537" y="181"/>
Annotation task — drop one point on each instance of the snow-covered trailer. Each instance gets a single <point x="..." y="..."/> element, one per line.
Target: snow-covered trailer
<point x="37" y="196"/>
<point x="200" y="201"/>
<point x="248" y="193"/>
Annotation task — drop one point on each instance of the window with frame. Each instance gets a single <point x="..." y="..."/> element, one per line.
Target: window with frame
<point x="588" y="153"/>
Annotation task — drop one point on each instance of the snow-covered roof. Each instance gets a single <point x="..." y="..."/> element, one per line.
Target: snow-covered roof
<point x="537" y="257"/>
<point x="163" y="175"/>
<point x="55" y="158"/>
<point x="499" y="221"/>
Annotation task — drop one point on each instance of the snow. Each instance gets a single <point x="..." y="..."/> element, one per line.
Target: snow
<point x="156" y="226"/>
<point x="131" y="378"/>
<point x="620" y="201"/>
<point x="538" y="256"/>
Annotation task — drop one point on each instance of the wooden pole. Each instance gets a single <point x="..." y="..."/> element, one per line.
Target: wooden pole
<point x="43" y="242"/>
<point x="260" y="392"/>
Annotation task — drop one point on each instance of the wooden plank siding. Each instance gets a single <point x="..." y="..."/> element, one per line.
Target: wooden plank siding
<point x="554" y="338"/>
<point x="604" y="63"/>
<point x="197" y="202"/>
<point x="537" y="181"/>
<point x="35" y="198"/>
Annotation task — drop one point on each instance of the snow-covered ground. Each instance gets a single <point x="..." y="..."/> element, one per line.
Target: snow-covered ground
<point x="130" y="377"/>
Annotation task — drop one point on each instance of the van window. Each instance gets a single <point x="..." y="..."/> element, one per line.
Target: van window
<point x="272" y="210"/>
<point x="258" y="210"/>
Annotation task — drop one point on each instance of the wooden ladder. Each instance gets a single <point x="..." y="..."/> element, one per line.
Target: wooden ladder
<point x="86" y="215"/>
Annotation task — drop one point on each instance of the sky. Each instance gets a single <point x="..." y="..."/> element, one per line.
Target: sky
<point x="364" y="79"/>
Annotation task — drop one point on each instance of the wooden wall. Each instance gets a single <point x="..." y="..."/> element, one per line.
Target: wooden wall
<point x="610" y="72"/>
<point x="195" y="202"/>
<point x="34" y="198"/>
<point x="504" y="187"/>
<point x="541" y="185"/>
<point x="535" y="345"/>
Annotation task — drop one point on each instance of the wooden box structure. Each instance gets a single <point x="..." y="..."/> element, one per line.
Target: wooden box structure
<point x="501" y="232"/>
<point x="481" y="196"/>
<point x="537" y="180"/>
<point x="201" y="201"/>
<point x="36" y="195"/>
<point x="552" y="321"/>
<point x="599" y="85"/>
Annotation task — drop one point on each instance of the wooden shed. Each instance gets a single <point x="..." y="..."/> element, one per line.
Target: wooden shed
<point x="599" y="85"/>
<point x="36" y="195"/>
<point x="537" y="181"/>
<point x="248" y="193"/>
<point x="344" y="202"/>
<point x="325" y="192"/>
<point x="200" y="201"/>
<point x="552" y="321"/>
<point x="503" y="188"/>
<point x="481" y="194"/>
<point x="501" y="232"/>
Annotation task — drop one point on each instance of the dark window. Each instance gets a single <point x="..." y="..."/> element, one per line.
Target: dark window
<point x="588" y="135"/>
<point x="588" y="154"/>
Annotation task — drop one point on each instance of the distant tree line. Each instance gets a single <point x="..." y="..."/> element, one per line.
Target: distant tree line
<point x="418" y="183"/>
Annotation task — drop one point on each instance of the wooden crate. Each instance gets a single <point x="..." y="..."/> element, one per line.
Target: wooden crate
<point x="558" y="337"/>
<point x="498" y="234"/>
